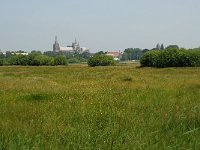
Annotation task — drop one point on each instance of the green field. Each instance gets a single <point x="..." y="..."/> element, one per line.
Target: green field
<point x="116" y="107"/>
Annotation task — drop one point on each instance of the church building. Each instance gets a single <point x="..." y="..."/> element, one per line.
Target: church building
<point x="75" y="47"/>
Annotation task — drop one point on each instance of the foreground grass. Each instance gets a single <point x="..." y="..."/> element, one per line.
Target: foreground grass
<point x="78" y="107"/>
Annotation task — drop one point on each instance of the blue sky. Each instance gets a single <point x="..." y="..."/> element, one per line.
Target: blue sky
<point x="98" y="24"/>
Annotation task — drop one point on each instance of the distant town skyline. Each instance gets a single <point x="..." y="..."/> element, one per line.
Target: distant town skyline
<point x="99" y="25"/>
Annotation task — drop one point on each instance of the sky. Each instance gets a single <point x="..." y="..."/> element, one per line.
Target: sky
<point x="100" y="25"/>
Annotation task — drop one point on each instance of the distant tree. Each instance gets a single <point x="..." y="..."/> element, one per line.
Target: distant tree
<point x="20" y="51"/>
<point x="145" y="50"/>
<point x="49" y="53"/>
<point x="2" y="55"/>
<point x="100" y="52"/>
<point x="125" y="56"/>
<point x="132" y="54"/>
<point x="85" y="54"/>
<point x="36" y="52"/>
<point x="172" y="47"/>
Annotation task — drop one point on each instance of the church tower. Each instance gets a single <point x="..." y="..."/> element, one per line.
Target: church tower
<point x="56" y="46"/>
<point x="76" y="46"/>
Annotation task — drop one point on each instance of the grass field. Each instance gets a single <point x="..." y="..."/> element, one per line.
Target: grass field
<point x="79" y="107"/>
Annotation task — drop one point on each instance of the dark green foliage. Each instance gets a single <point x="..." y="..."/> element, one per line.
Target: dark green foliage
<point x="73" y="60"/>
<point x="60" y="60"/>
<point x="85" y="54"/>
<point x="18" y="60"/>
<point x="171" y="57"/>
<point x="131" y="54"/>
<point x="49" y="53"/>
<point x="150" y="58"/>
<point x="2" y="55"/>
<point x="172" y="47"/>
<point x="41" y="60"/>
<point x="125" y="56"/>
<point x="101" y="60"/>
<point x="100" y="52"/>
<point x="1" y="62"/>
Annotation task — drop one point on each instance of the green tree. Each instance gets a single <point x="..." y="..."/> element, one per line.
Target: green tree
<point x="85" y="54"/>
<point x="100" y="52"/>
<point x="2" y="55"/>
<point x="125" y="56"/>
<point x="132" y="53"/>
<point x="172" y="47"/>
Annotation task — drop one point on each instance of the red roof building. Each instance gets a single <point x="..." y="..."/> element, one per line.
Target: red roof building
<point x="115" y="54"/>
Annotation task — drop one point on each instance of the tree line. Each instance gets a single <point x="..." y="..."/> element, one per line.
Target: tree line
<point x="159" y="56"/>
<point x="36" y="58"/>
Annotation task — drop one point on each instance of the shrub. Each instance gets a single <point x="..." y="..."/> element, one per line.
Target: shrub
<point x="150" y="58"/>
<point x="73" y="61"/>
<point x="18" y="60"/>
<point x="60" y="60"/>
<point x="194" y="58"/>
<point x="101" y="60"/>
<point x="171" y="57"/>
<point x="41" y="60"/>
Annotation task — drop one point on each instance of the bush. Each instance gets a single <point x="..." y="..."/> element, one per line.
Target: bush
<point x="101" y="60"/>
<point x="73" y="61"/>
<point x="41" y="60"/>
<point x="18" y="60"/>
<point x="60" y="60"/>
<point x="171" y="57"/>
<point x="150" y="58"/>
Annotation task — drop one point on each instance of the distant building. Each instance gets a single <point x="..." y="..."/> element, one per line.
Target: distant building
<point x="75" y="47"/>
<point x="15" y="53"/>
<point x="115" y="54"/>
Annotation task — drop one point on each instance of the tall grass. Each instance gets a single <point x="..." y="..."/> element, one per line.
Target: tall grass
<point x="118" y="107"/>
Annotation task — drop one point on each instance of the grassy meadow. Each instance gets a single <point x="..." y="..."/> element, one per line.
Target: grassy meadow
<point x="116" y="107"/>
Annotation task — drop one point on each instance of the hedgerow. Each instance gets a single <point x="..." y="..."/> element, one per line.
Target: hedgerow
<point x="171" y="58"/>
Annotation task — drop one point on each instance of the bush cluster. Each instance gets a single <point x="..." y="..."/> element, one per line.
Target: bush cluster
<point x="171" y="58"/>
<point x="34" y="59"/>
<point x="101" y="60"/>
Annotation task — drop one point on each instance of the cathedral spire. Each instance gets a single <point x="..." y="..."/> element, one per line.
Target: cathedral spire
<point x="75" y="41"/>
<point x="56" y="41"/>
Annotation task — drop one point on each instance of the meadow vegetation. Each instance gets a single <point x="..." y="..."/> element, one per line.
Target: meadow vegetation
<point x="113" y="107"/>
